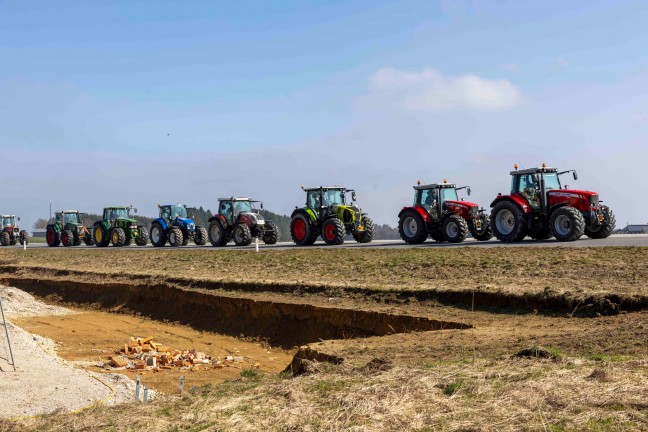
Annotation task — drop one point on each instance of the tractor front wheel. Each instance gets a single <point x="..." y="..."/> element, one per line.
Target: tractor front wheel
<point x="302" y="231"/>
<point x="175" y="237"/>
<point x="605" y="228"/>
<point x="366" y="235"/>
<point x="158" y="236"/>
<point x="242" y="235"/>
<point x="87" y="239"/>
<point x="411" y="227"/>
<point x="271" y="234"/>
<point x="24" y="238"/>
<point x="217" y="234"/>
<point x="143" y="238"/>
<point x="118" y="237"/>
<point x="52" y="237"/>
<point x="333" y="231"/>
<point x="508" y="222"/>
<point x="5" y="238"/>
<point x="454" y="228"/>
<point x="67" y="238"/>
<point x="200" y="236"/>
<point x="567" y="224"/>
<point x="100" y="236"/>
<point x="484" y="232"/>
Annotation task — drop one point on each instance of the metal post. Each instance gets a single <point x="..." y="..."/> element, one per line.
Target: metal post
<point x="181" y="384"/>
<point x="4" y="322"/>
<point x="145" y="394"/>
<point x="137" y="388"/>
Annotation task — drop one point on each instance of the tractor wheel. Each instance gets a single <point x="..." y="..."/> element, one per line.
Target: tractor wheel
<point x="100" y="236"/>
<point x="77" y="240"/>
<point x="143" y="238"/>
<point x="411" y="227"/>
<point x="88" y="240"/>
<point x="302" y="231"/>
<point x="175" y="236"/>
<point x="367" y="234"/>
<point x="605" y="229"/>
<point x="454" y="228"/>
<point x="67" y="238"/>
<point x="333" y="231"/>
<point x="272" y="233"/>
<point x="128" y="241"/>
<point x="24" y="238"/>
<point x="12" y="239"/>
<point x="508" y="222"/>
<point x="118" y="237"/>
<point x="217" y="233"/>
<point x="158" y="236"/>
<point x="567" y="224"/>
<point x="242" y="235"/>
<point x="5" y="239"/>
<point x="484" y="233"/>
<point x="200" y="236"/>
<point x="52" y="237"/>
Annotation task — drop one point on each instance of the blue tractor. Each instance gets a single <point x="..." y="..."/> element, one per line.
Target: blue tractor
<point x="176" y="227"/>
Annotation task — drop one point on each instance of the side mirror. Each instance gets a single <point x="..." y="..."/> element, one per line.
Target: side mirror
<point x="261" y="205"/>
<point x="575" y="175"/>
<point x="18" y="218"/>
<point x="353" y="196"/>
<point x="134" y="210"/>
<point x="468" y="190"/>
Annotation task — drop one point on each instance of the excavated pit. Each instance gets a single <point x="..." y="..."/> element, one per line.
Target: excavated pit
<point x="285" y="324"/>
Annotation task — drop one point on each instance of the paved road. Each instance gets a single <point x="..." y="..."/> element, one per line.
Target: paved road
<point x="614" y="240"/>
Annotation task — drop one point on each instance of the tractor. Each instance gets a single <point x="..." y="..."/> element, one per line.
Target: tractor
<point x="118" y="228"/>
<point x="176" y="227"/>
<point x="327" y="214"/>
<point x="238" y="219"/>
<point x="11" y="233"/>
<point x="540" y="208"/>
<point x="67" y="228"/>
<point x="439" y="213"/>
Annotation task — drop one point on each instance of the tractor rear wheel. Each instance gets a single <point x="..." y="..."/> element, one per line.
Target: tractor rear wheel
<point x="200" y="236"/>
<point x="143" y="238"/>
<point x="567" y="224"/>
<point x="366" y="235"/>
<point x="242" y="235"/>
<point x="508" y="222"/>
<point x="77" y="240"/>
<point x="52" y="236"/>
<point x="5" y="239"/>
<point x="24" y="237"/>
<point x="175" y="236"/>
<point x="87" y="239"/>
<point x="302" y="231"/>
<point x="483" y="233"/>
<point x="454" y="228"/>
<point x="118" y="237"/>
<point x="604" y="229"/>
<point x="100" y="236"/>
<point x="217" y="233"/>
<point x="67" y="238"/>
<point x="333" y="231"/>
<point x="271" y="235"/>
<point x="158" y="236"/>
<point x="411" y="227"/>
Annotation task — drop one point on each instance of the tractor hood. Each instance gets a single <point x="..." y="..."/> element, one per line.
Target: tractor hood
<point x="254" y="218"/>
<point x="575" y="193"/>
<point x="453" y="203"/>
<point x="185" y="223"/>
<point x="127" y="221"/>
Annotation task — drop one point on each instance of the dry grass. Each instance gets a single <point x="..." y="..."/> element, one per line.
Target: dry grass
<point x="490" y="395"/>
<point x="591" y="271"/>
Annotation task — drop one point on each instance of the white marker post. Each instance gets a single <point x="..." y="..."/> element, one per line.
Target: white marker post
<point x="256" y="243"/>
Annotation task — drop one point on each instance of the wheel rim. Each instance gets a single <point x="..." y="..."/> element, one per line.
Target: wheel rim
<point x="215" y="233"/>
<point x="299" y="228"/>
<point x="452" y="230"/>
<point x="172" y="238"/>
<point x="155" y="234"/>
<point x="115" y="237"/>
<point x="410" y="227"/>
<point x="98" y="235"/>
<point x="330" y="232"/>
<point x="50" y="236"/>
<point x="563" y="225"/>
<point x="238" y="235"/>
<point x="505" y="221"/>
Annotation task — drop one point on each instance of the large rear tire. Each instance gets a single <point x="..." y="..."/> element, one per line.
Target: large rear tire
<point x="366" y="235"/>
<point x="508" y="222"/>
<point x="176" y="238"/>
<point x="411" y="227"/>
<point x="67" y="238"/>
<point x="567" y="224"/>
<point x="88" y="239"/>
<point x="604" y="229"/>
<point x="302" y="231"/>
<point x="200" y="236"/>
<point x="118" y="237"/>
<point x="143" y="238"/>
<point x="333" y="231"/>
<point x="5" y="238"/>
<point x="158" y="236"/>
<point x="271" y="235"/>
<point x="242" y="235"/>
<point x="217" y="234"/>
<point x="484" y="232"/>
<point x="454" y="228"/>
<point x="52" y="236"/>
<point x="100" y="235"/>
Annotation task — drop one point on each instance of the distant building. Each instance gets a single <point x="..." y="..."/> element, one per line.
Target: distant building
<point x="38" y="232"/>
<point x="637" y="229"/>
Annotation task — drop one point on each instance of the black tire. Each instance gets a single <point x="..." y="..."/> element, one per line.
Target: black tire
<point x="302" y="231"/>
<point x="101" y="240"/>
<point x="200" y="236"/>
<point x="5" y="238"/>
<point x="454" y="228"/>
<point x="567" y="224"/>
<point x="333" y="231"/>
<point x="77" y="240"/>
<point x="158" y="235"/>
<point x="366" y="235"/>
<point x="241" y="235"/>
<point x="485" y="232"/>
<point x="128" y="241"/>
<point x="67" y="238"/>
<point x="217" y="233"/>
<point x="143" y="238"/>
<point x="271" y="234"/>
<point x="175" y="237"/>
<point x="52" y="237"/>
<point x="88" y="239"/>
<point x="118" y="237"/>
<point x="13" y="239"/>
<point x="606" y="228"/>
<point x="512" y="222"/>
<point x="24" y="237"/>
<point x="412" y="228"/>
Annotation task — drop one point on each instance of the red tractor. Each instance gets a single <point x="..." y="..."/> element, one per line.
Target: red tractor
<point x="10" y="233"/>
<point x="439" y="213"/>
<point x="540" y="208"/>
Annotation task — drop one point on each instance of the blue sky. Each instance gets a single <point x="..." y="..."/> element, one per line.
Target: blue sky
<point x="142" y="102"/>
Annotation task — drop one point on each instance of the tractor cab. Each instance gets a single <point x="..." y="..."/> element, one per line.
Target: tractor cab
<point x="324" y="200"/>
<point x="171" y="212"/>
<point x="535" y="185"/>
<point x="437" y="197"/>
<point x="8" y="221"/>
<point x="234" y="208"/>
<point x="117" y="213"/>
<point x="68" y="217"/>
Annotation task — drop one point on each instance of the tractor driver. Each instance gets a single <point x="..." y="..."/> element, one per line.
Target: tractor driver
<point x="530" y="189"/>
<point x="430" y="200"/>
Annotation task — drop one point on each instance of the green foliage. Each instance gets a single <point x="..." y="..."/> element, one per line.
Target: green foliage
<point x="452" y="388"/>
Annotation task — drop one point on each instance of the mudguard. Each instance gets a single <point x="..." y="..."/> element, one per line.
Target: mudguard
<point x="424" y="214"/>
<point x="310" y="213"/>
<point x="515" y="198"/>
<point x="163" y="224"/>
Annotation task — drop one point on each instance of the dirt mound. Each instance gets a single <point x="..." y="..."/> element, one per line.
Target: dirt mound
<point x="18" y="303"/>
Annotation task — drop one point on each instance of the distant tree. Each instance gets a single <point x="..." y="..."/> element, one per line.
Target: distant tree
<point x="40" y="224"/>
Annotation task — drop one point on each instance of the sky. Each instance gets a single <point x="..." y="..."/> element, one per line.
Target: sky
<point x="118" y="103"/>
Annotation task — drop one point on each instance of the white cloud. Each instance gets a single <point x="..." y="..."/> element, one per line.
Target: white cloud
<point x="431" y="90"/>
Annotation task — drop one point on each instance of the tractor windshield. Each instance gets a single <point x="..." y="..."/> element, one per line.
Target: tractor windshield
<point x="551" y="181"/>
<point x="71" y="218"/>
<point x="242" y="207"/>
<point x="178" y="212"/>
<point x="116" y="213"/>
<point x="449" y="194"/>
<point x="8" y="221"/>
<point x="333" y="197"/>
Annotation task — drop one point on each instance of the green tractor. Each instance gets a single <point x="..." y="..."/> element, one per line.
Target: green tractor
<point x="118" y="228"/>
<point x="68" y="229"/>
<point x="327" y="214"/>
